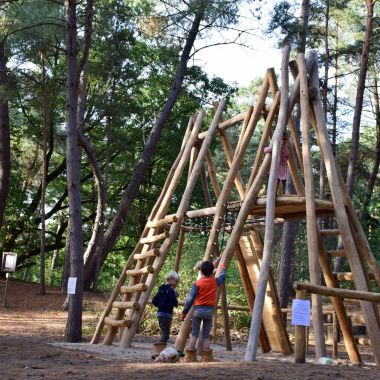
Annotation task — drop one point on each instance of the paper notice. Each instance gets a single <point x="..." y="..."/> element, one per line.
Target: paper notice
<point x="301" y="312"/>
<point x="71" y="285"/>
<point x="10" y="262"/>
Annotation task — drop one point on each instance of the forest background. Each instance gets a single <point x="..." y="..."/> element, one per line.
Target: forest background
<point x="95" y="97"/>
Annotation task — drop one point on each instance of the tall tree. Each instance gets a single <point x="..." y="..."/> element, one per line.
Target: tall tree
<point x="199" y="10"/>
<point x="352" y="160"/>
<point x="73" y="331"/>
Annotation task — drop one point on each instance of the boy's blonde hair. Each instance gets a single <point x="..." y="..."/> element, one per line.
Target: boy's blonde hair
<point x="172" y="275"/>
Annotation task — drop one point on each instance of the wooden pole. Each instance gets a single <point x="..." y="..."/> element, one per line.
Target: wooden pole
<point x="226" y="319"/>
<point x="341" y="217"/>
<point x="312" y="234"/>
<point x="178" y="253"/>
<point x="251" y="350"/>
<point x="300" y="335"/>
<point x="338" y="292"/>
<point x="264" y="138"/>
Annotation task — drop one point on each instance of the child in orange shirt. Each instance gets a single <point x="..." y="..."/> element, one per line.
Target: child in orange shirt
<point x="203" y="296"/>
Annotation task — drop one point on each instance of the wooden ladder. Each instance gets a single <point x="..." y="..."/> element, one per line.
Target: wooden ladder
<point x="144" y="264"/>
<point x="358" y="273"/>
<point x="141" y="270"/>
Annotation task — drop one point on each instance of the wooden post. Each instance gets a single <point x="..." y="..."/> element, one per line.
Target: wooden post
<point x="251" y="351"/>
<point x="312" y="233"/>
<point x="335" y="334"/>
<point x="226" y="319"/>
<point x="300" y="335"/>
<point x="342" y="219"/>
<point x="178" y="253"/>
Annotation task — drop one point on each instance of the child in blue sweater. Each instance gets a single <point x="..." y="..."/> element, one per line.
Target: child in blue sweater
<point x="165" y="300"/>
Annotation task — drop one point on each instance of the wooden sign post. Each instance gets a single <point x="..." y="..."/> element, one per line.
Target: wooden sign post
<point x="8" y="265"/>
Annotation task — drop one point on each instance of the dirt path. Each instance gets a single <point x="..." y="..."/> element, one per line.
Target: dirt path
<point x="31" y="346"/>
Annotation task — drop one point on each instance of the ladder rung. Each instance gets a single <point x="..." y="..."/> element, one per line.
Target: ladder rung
<point x="144" y="255"/>
<point x="133" y="288"/>
<point x="152" y="239"/>
<point x="162" y="222"/>
<point x="348" y="276"/>
<point x="363" y="341"/>
<point x="337" y="253"/>
<point x="330" y="232"/>
<point x="117" y="322"/>
<point x="126" y="305"/>
<point x="138" y="272"/>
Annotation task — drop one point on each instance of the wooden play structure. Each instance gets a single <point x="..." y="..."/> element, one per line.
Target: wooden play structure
<point x="240" y="196"/>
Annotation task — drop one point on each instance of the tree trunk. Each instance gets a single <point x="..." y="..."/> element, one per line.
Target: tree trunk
<point x="73" y="331"/>
<point x="324" y="99"/>
<point x="290" y="228"/>
<point x="122" y="214"/>
<point x="353" y="158"/>
<point x="45" y="132"/>
<point x="5" y="159"/>
<point x="375" y="168"/>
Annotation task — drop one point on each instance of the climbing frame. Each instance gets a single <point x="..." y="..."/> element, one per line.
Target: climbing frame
<point x="274" y="109"/>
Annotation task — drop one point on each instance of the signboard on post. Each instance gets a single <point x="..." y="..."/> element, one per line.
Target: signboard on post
<point x="8" y="263"/>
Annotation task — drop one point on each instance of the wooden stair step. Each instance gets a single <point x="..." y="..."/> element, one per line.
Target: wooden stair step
<point x="144" y="255"/>
<point x="362" y="341"/>
<point x="117" y="322"/>
<point x="162" y="222"/>
<point x="126" y="305"/>
<point x="337" y="253"/>
<point x="333" y="232"/>
<point x="348" y="276"/>
<point x="138" y="272"/>
<point x="134" y="288"/>
<point x="154" y="238"/>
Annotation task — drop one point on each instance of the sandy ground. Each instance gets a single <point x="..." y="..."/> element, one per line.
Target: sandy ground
<point x="32" y="346"/>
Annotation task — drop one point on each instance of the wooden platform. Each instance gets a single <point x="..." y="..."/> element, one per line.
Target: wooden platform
<point x="288" y="207"/>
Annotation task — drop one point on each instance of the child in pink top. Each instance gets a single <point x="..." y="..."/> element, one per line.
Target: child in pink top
<point x="284" y="156"/>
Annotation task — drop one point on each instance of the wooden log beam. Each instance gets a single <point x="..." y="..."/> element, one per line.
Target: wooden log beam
<point x="154" y="238"/>
<point x="161" y="222"/>
<point x="140" y="271"/>
<point x="117" y="323"/>
<point x="126" y="305"/>
<point x="133" y="289"/>
<point x="348" y="276"/>
<point x="338" y="292"/>
<point x="337" y="253"/>
<point x="144" y="255"/>
<point x="333" y="232"/>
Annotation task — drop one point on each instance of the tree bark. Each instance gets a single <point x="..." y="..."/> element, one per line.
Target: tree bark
<point x="122" y="214"/>
<point x="5" y="158"/>
<point x="290" y="228"/>
<point x="45" y="132"/>
<point x="375" y="168"/>
<point x="73" y="331"/>
<point x="353" y="158"/>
